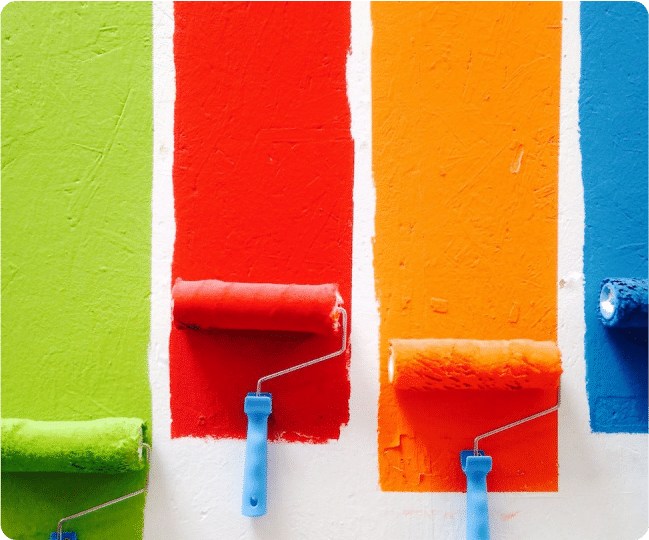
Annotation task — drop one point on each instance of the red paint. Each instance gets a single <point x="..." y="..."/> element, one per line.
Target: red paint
<point x="263" y="173"/>
<point x="212" y="303"/>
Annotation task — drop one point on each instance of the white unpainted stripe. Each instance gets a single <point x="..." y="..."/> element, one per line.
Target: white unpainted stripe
<point x="570" y="287"/>
<point x="158" y="516"/>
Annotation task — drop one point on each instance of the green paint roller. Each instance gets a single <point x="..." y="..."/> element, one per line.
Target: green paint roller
<point x="108" y="445"/>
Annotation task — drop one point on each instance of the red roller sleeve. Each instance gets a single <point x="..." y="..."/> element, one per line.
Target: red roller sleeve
<point x="255" y="306"/>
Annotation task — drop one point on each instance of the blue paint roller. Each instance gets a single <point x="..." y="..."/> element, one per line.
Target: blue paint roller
<point x="258" y="406"/>
<point x="259" y="306"/>
<point x="623" y="303"/>
<point x="476" y="465"/>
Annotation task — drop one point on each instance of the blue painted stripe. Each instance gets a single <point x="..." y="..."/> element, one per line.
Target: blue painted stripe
<point x="613" y="121"/>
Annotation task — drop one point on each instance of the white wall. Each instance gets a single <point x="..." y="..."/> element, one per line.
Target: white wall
<point x="331" y="490"/>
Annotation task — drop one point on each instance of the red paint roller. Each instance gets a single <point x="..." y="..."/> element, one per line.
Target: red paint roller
<point x="256" y="306"/>
<point x="259" y="306"/>
<point x="465" y="364"/>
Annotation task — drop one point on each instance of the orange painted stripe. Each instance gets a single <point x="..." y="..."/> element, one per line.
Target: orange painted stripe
<point x="465" y="130"/>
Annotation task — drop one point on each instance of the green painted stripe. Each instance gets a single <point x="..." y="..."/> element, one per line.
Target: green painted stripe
<point x="76" y="243"/>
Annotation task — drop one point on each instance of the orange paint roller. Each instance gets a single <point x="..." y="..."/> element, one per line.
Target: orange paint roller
<point x="459" y="364"/>
<point x="447" y="364"/>
<point x="259" y="306"/>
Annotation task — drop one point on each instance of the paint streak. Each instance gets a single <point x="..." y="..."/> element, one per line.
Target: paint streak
<point x="613" y="127"/>
<point x="76" y="244"/>
<point x="263" y="176"/>
<point x="465" y="132"/>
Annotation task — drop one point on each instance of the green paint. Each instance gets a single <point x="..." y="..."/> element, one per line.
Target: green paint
<point x="76" y="244"/>
<point x="108" y="445"/>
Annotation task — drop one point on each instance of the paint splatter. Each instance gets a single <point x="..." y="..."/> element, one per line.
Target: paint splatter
<point x="516" y="162"/>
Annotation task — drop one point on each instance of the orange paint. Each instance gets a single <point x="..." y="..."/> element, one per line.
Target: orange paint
<point x="465" y="134"/>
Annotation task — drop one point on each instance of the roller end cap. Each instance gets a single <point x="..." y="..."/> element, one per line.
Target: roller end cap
<point x="623" y="302"/>
<point x="608" y="304"/>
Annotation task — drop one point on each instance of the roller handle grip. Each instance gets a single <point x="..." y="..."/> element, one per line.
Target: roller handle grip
<point x="257" y="408"/>
<point x="477" y="512"/>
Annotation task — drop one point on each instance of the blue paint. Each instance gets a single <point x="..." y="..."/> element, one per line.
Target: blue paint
<point x="613" y="122"/>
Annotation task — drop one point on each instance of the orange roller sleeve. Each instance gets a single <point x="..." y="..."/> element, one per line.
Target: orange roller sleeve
<point x="255" y="306"/>
<point x="454" y="364"/>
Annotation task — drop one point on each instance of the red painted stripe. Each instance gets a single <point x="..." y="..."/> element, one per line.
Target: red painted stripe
<point x="263" y="172"/>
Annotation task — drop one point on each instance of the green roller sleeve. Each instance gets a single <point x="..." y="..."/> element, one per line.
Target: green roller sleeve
<point x="108" y="445"/>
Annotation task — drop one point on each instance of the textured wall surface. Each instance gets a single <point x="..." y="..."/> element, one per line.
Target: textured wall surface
<point x="331" y="489"/>
<point x="76" y="236"/>
<point x="613" y="121"/>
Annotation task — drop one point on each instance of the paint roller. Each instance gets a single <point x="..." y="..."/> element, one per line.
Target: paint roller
<point x="107" y="445"/>
<point x="623" y="303"/>
<point x="458" y="364"/>
<point x="259" y="306"/>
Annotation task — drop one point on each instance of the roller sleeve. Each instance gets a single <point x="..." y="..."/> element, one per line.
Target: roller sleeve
<point x="430" y="364"/>
<point x="255" y="306"/>
<point x="108" y="445"/>
<point x="623" y="303"/>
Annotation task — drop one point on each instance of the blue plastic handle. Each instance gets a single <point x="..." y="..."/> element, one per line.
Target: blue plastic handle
<point x="66" y="535"/>
<point x="477" y="511"/>
<point x="257" y="408"/>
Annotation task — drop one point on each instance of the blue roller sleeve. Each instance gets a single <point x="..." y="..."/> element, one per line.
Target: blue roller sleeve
<point x="257" y="408"/>
<point x="623" y="303"/>
<point x="477" y="512"/>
